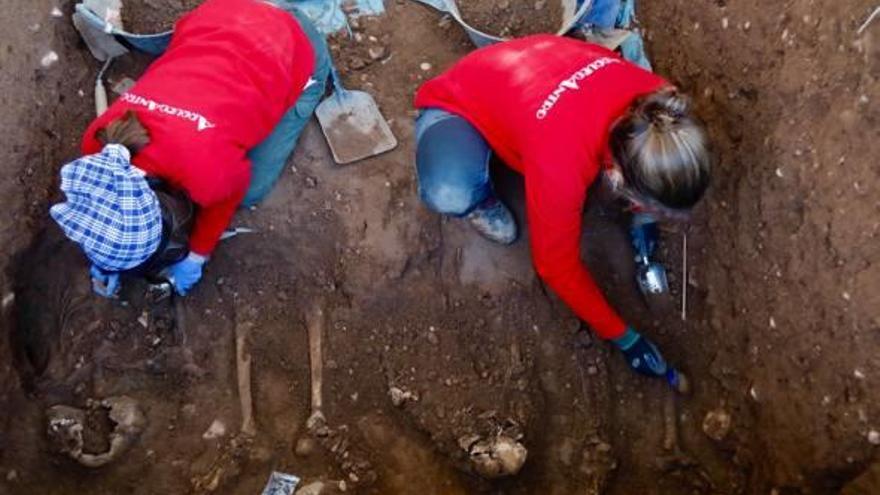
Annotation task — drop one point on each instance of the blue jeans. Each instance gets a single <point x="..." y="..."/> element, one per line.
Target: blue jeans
<point x="452" y="163"/>
<point x="268" y="157"/>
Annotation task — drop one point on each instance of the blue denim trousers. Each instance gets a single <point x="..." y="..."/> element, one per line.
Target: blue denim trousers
<point x="268" y="157"/>
<point x="452" y="163"/>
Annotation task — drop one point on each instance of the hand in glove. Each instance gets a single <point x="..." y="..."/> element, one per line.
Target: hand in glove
<point x="641" y="354"/>
<point x="186" y="273"/>
<point x="104" y="284"/>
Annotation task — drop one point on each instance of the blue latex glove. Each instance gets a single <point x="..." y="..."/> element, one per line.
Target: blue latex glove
<point x="641" y="354"/>
<point x="186" y="273"/>
<point x="104" y="284"/>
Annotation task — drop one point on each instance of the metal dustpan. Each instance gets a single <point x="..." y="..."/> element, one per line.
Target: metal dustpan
<point x="353" y="125"/>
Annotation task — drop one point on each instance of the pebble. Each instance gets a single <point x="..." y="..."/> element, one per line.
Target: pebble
<point x="399" y="396"/>
<point x="316" y="488"/>
<point x="433" y="339"/>
<point x="311" y="183"/>
<point x="49" y="59"/>
<point x="357" y="64"/>
<point x="12" y="475"/>
<point x="56" y="12"/>
<point x="216" y="430"/>
<point x="874" y="437"/>
<point x="540" y="4"/>
<point x="725" y="22"/>
<point x="716" y="424"/>
<point x="425" y="66"/>
<point x="378" y="52"/>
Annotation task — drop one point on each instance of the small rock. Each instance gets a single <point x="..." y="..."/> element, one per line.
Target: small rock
<point x="859" y="374"/>
<point x="725" y="22"/>
<point x="540" y="4"/>
<point x="399" y="396"/>
<point x="56" y="12"/>
<point x="357" y="63"/>
<point x="716" y="424"/>
<point x="305" y="446"/>
<point x="378" y="52"/>
<point x="311" y="183"/>
<point x="216" y="430"/>
<point x="433" y="339"/>
<point x="498" y="457"/>
<point x="49" y="59"/>
<point x="12" y="475"/>
<point x="425" y="66"/>
<point x="314" y="488"/>
<point x="874" y="437"/>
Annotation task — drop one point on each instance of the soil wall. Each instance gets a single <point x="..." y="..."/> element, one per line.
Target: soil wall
<point x="42" y="65"/>
<point x="791" y="267"/>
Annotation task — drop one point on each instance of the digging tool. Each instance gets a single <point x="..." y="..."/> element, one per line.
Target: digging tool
<point x="102" y="45"/>
<point x="243" y="373"/>
<point x="315" y="326"/>
<point x="230" y="233"/>
<point x="684" y="276"/>
<point x="100" y="91"/>
<point x="353" y="125"/>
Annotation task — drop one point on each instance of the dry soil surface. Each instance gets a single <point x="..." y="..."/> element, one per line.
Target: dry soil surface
<point x="779" y="341"/>
<point x="512" y="18"/>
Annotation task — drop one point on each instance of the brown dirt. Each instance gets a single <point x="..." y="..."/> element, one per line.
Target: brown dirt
<point x="512" y="18"/>
<point x="422" y="304"/>
<point x="154" y="16"/>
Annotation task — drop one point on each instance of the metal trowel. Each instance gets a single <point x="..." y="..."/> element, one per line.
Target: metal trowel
<point x="353" y="125"/>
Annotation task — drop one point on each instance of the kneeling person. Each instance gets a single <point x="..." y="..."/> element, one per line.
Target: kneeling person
<point x="212" y="122"/>
<point x="564" y="114"/>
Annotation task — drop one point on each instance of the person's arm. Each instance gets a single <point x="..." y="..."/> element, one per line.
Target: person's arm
<point x="210" y="223"/>
<point x="214" y="215"/>
<point x="554" y="204"/>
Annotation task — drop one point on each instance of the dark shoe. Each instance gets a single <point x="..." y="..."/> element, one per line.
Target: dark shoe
<point x="494" y="221"/>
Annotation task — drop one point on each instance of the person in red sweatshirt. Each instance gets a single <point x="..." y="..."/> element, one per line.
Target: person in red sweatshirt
<point x="214" y="118"/>
<point x="564" y="114"/>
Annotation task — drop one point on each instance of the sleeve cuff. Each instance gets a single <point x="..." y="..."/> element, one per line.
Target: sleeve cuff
<point x="198" y="258"/>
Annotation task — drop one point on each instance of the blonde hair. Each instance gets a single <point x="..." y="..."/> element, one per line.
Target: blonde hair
<point x="663" y="150"/>
<point x="126" y="130"/>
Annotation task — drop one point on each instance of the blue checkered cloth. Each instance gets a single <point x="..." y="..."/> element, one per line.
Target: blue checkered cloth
<point x="110" y="211"/>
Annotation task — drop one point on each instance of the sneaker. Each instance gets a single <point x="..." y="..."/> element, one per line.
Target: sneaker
<point x="494" y="221"/>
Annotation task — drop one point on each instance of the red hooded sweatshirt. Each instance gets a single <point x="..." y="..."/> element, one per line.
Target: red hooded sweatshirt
<point x="232" y="70"/>
<point x="546" y="105"/>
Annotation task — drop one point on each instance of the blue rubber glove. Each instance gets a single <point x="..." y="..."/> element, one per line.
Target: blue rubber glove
<point x="641" y="354"/>
<point x="104" y="284"/>
<point x="186" y="273"/>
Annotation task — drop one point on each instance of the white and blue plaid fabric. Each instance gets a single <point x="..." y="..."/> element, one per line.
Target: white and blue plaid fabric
<point x="110" y="211"/>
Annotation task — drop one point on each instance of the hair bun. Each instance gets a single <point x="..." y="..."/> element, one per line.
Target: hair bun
<point x="666" y="107"/>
